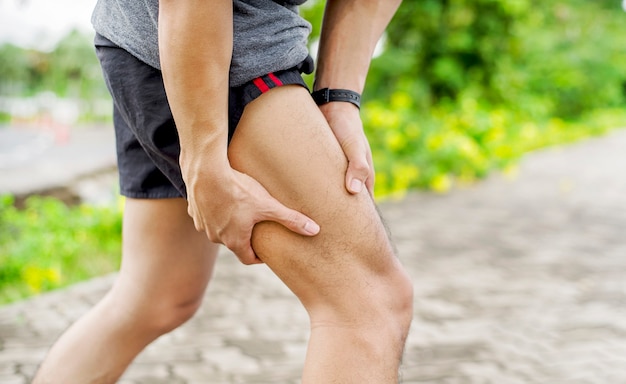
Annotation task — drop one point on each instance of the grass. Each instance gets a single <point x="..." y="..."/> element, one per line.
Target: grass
<point x="48" y="245"/>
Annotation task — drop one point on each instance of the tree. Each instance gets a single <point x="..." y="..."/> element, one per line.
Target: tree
<point x="70" y="70"/>
<point x="568" y="55"/>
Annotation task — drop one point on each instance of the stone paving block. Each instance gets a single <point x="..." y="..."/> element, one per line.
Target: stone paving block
<point x="426" y="372"/>
<point x="438" y="309"/>
<point x="171" y="354"/>
<point x="189" y="338"/>
<point x="27" y="369"/>
<point x="18" y="342"/>
<point x="169" y="380"/>
<point x="18" y="330"/>
<point x="148" y="373"/>
<point x="230" y="359"/>
<point x="23" y="355"/>
<point x="8" y="368"/>
<point x="275" y="373"/>
<point x="213" y="327"/>
<point x="12" y="379"/>
<point x="482" y="371"/>
<point x="258" y="347"/>
<point x="294" y="357"/>
<point x="202" y="372"/>
<point x="293" y="333"/>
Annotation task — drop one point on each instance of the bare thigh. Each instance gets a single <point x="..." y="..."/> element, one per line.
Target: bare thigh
<point x="284" y="142"/>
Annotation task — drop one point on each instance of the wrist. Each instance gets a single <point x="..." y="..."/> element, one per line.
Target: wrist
<point x="204" y="160"/>
<point x="339" y="110"/>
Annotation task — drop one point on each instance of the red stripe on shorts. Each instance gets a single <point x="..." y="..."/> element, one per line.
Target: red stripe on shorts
<point x="275" y="79"/>
<point x="261" y="85"/>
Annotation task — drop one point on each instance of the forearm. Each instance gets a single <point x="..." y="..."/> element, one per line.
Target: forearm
<point x="195" y="46"/>
<point x="350" y="31"/>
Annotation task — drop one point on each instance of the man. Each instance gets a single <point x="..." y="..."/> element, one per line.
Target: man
<point x="212" y="59"/>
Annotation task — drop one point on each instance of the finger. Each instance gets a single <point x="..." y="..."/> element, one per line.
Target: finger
<point x="196" y="222"/>
<point x="292" y="220"/>
<point x="239" y="244"/>
<point x="246" y="254"/>
<point x="358" y="172"/>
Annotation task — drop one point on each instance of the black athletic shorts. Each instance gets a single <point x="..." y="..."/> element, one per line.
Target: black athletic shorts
<point x="147" y="141"/>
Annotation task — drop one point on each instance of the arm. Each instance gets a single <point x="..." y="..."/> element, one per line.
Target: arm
<point x="350" y="31"/>
<point x="195" y="45"/>
<point x="195" y="60"/>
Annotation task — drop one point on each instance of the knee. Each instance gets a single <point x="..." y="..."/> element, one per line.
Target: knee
<point x="157" y="314"/>
<point x="403" y="303"/>
<point x="392" y="309"/>
<point x="373" y="301"/>
<point x="169" y="315"/>
<point x="388" y="295"/>
<point x="390" y="304"/>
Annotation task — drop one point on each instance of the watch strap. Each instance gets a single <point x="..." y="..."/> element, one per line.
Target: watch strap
<point x="327" y="95"/>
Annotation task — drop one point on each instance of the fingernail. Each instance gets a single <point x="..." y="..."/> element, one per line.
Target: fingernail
<point x="356" y="185"/>
<point x="311" y="228"/>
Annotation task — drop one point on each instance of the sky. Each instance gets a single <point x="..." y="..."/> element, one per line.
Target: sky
<point x="41" y="23"/>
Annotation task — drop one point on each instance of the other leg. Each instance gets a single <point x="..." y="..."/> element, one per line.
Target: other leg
<point x="166" y="266"/>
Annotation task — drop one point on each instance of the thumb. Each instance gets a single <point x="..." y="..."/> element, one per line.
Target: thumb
<point x="357" y="174"/>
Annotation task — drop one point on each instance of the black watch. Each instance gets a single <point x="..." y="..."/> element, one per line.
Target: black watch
<point x="326" y="95"/>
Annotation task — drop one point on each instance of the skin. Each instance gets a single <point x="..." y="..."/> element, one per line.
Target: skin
<point x="347" y="277"/>
<point x="288" y="191"/>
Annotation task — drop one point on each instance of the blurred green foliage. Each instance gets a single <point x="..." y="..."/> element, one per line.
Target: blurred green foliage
<point x="48" y="245"/>
<point x="70" y="70"/>
<point x="467" y="87"/>
<point x="566" y="56"/>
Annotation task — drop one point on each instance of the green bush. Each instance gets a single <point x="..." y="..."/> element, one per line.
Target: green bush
<point x="48" y="245"/>
<point x="467" y="87"/>
<point x="568" y="56"/>
<point x="462" y="142"/>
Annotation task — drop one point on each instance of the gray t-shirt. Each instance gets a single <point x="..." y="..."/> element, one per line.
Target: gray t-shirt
<point x="269" y="35"/>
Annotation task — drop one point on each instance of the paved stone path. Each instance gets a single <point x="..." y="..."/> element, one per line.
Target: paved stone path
<point x="34" y="160"/>
<point x="516" y="281"/>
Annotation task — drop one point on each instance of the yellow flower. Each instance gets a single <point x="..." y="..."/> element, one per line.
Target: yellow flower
<point x="36" y="277"/>
<point x="441" y="183"/>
